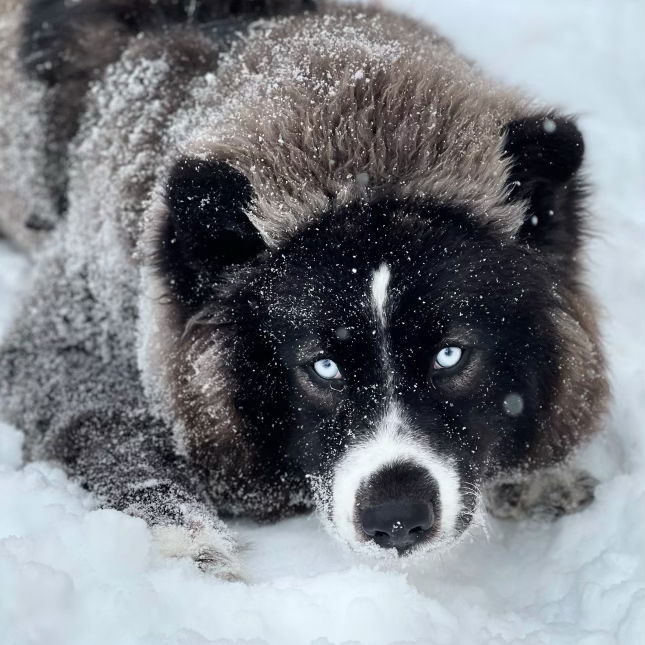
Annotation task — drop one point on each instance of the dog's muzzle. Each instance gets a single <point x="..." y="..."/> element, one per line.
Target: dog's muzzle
<point x="392" y="490"/>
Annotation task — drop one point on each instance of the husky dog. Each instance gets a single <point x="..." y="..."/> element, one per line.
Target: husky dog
<point x="289" y="256"/>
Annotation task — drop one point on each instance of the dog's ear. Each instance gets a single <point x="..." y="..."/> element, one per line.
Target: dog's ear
<point x="208" y="229"/>
<point x="546" y="154"/>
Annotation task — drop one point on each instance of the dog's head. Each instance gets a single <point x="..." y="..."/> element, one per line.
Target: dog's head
<point x="396" y="351"/>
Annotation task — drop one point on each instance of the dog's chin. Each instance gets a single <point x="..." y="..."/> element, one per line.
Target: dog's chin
<point x="369" y="550"/>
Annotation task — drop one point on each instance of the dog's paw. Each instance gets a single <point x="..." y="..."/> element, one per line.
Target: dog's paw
<point x="545" y="495"/>
<point x="212" y="549"/>
<point x="503" y="499"/>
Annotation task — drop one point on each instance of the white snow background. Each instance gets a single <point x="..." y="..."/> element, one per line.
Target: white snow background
<point x="73" y="575"/>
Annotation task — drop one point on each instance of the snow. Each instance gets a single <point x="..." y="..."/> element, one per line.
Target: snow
<point x="71" y="574"/>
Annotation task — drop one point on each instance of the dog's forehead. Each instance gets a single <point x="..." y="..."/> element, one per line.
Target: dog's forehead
<point x="323" y="296"/>
<point x="334" y="278"/>
<point x="375" y="269"/>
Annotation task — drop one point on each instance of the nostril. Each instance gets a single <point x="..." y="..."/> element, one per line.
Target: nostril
<point x="397" y="524"/>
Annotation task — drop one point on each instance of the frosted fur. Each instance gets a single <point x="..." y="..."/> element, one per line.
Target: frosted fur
<point x="376" y="118"/>
<point x="23" y="192"/>
<point x="79" y="576"/>
<point x="375" y="114"/>
<point x="99" y="368"/>
<point x="211" y="548"/>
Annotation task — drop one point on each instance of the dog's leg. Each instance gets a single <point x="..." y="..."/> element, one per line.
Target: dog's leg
<point x="127" y="460"/>
<point x="546" y="494"/>
<point x="71" y="383"/>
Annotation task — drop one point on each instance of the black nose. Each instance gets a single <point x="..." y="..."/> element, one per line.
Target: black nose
<point x="399" y="524"/>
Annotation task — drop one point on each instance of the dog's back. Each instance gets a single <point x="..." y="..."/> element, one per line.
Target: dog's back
<point x="50" y="51"/>
<point x="23" y="192"/>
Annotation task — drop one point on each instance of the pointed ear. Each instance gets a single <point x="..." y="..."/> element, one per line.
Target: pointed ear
<point x="208" y="229"/>
<point x="546" y="155"/>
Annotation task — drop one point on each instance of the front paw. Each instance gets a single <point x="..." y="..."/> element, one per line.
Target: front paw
<point x="212" y="549"/>
<point x="544" y="495"/>
<point x="570" y="493"/>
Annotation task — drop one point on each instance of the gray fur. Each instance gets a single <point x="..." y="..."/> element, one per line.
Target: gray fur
<point x="546" y="495"/>
<point x="23" y="192"/>
<point x="96" y="370"/>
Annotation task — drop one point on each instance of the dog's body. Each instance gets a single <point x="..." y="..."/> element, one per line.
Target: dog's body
<point x="266" y="245"/>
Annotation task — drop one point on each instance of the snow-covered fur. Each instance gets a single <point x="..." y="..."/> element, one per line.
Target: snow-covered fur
<point x="241" y="199"/>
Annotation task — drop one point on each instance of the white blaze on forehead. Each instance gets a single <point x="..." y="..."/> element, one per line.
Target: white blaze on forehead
<point x="380" y="283"/>
<point x="392" y="442"/>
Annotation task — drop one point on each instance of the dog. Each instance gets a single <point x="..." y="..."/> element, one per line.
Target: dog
<point x="290" y="256"/>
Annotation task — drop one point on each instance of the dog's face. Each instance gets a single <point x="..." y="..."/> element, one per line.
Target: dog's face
<point x="407" y="349"/>
<point x="396" y="353"/>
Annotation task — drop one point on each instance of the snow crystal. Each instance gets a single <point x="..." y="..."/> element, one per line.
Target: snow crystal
<point x="342" y="333"/>
<point x="362" y="179"/>
<point x="513" y="404"/>
<point x="549" y="126"/>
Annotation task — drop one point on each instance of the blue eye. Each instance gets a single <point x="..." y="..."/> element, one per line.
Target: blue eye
<point x="327" y="369"/>
<point x="447" y="357"/>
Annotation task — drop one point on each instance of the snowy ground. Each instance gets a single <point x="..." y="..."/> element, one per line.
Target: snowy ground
<point x="73" y="575"/>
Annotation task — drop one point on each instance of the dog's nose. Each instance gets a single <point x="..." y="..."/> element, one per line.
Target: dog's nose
<point x="398" y="524"/>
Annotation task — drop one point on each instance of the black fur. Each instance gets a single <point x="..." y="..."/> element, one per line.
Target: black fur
<point x="457" y="281"/>
<point x="549" y="148"/>
<point x="56" y="30"/>
<point x="66" y="45"/>
<point x="208" y="229"/>
<point x="547" y="153"/>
